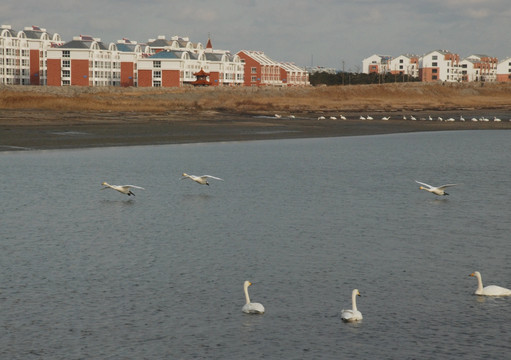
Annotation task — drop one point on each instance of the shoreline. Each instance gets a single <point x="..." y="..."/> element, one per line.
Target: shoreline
<point x="44" y="129"/>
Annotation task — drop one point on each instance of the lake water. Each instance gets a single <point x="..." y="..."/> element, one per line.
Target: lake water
<point x="90" y="274"/>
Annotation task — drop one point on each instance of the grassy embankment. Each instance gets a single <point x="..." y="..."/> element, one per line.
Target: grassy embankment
<point x="387" y="97"/>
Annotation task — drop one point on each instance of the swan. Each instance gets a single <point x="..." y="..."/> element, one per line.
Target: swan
<point x="430" y="118"/>
<point x="474" y="119"/>
<point x="361" y="117"/>
<point x="250" y="307"/>
<point x="354" y="314"/>
<point x="462" y="118"/>
<point x="496" y="119"/>
<point x="439" y="190"/>
<point x="321" y="118"/>
<point x="125" y="189"/>
<point x="386" y="118"/>
<point x="203" y="179"/>
<point x="342" y="117"/>
<point x="278" y="116"/>
<point x="404" y="117"/>
<point x="333" y="118"/>
<point x="369" y="117"/>
<point x="491" y="290"/>
<point x="413" y="118"/>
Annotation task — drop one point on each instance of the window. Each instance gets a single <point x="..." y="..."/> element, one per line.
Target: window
<point x="66" y="63"/>
<point x="400" y="67"/>
<point x="434" y="57"/>
<point x="434" y="71"/>
<point x="253" y="79"/>
<point x="400" y="61"/>
<point x="434" y="77"/>
<point x="157" y="74"/>
<point x="253" y="70"/>
<point x="66" y="73"/>
<point x="156" y="83"/>
<point x="66" y="53"/>
<point x="434" y="64"/>
<point x="157" y="64"/>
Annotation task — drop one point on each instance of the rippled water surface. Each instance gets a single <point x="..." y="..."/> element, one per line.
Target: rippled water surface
<point x="90" y="274"/>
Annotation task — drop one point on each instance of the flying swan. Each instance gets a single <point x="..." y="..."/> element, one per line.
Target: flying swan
<point x="435" y="190"/>
<point x="354" y="314"/>
<point x="490" y="290"/>
<point x="249" y="307"/>
<point x="203" y="179"/>
<point x="125" y="189"/>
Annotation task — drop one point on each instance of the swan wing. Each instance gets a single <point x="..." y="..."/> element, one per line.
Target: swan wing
<point x="133" y="186"/>
<point x="253" y="308"/>
<point x="426" y="185"/>
<point x="211" y="177"/>
<point x="494" y="290"/>
<point x="446" y="186"/>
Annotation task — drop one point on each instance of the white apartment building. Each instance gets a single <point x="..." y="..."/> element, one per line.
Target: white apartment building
<point x="504" y="70"/>
<point x="23" y="55"/>
<point x="379" y="64"/>
<point x="440" y="65"/>
<point x="405" y="65"/>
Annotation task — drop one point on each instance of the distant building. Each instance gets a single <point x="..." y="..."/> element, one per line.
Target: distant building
<point x="86" y="61"/>
<point x="479" y="68"/>
<point x="405" y="65"/>
<point x="504" y="70"/>
<point x="439" y="65"/>
<point x="35" y="57"/>
<point x="379" y="64"/>
<point x="260" y="70"/>
<point x="23" y="55"/>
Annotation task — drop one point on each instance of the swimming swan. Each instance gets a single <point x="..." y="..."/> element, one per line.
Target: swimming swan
<point x="439" y="190"/>
<point x="203" y="179"/>
<point x="491" y="290"/>
<point x="249" y="307"/>
<point x="125" y="189"/>
<point x="354" y="314"/>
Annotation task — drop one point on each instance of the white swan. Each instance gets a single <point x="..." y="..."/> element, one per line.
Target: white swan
<point x="361" y="117"/>
<point x="203" y="179"/>
<point x="321" y="118"/>
<point x="439" y="190"/>
<point x="125" y="189"/>
<point x="342" y="117"/>
<point x="386" y="118"/>
<point x="413" y="118"/>
<point x="491" y="290"/>
<point x="250" y="307"/>
<point x="353" y="314"/>
<point x="333" y="118"/>
<point x="369" y="117"/>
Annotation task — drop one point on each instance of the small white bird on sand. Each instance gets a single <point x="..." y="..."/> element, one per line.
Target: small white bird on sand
<point x="342" y="117"/>
<point x="353" y="314"/>
<point x="439" y="190"/>
<point x="125" y="189"/>
<point x="321" y="118"/>
<point x="203" y="179"/>
<point x="490" y="290"/>
<point x="385" y="118"/>
<point x="250" y="307"/>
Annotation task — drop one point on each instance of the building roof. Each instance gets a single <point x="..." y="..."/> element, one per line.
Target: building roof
<point x="165" y="55"/>
<point x="81" y="44"/>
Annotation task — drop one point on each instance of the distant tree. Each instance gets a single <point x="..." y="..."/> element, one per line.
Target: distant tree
<point x="349" y="78"/>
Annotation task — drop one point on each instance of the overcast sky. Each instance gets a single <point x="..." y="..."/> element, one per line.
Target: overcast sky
<point x="320" y="33"/>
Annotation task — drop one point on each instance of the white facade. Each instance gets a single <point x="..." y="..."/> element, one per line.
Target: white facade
<point x="23" y="54"/>
<point x="504" y="70"/>
<point x="376" y="64"/>
<point x="405" y="65"/>
<point x="440" y="65"/>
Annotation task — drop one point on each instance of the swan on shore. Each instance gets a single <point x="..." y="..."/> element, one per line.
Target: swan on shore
<point x="490" y="290"/>
<point x="250" y="307"/>
<point x="342" y="117"/>
<point x="203" y="179"/>
<point x="386" y="118"/>
<point x="353" y="314"/>
<point x="125" y="189"/>
<point x="369" y="117"/>
<point x="333" y="118"/>
<point x="438" y="190"/>
<point x="361" y="117"/>
<point x="321" y="118"/>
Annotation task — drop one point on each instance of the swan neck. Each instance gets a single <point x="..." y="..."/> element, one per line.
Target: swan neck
<point x="247" y="298"/>
<point x="479" y="283"/>
<point x="354" y="301"/>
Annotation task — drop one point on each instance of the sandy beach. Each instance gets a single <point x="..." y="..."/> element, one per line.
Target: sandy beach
<point x="64" y="118"/>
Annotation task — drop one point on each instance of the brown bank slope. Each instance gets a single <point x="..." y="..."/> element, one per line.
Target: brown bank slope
<point x="66" y="117"/>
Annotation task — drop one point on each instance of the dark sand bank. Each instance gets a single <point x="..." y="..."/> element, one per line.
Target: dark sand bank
<point x="45" y="129"/>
